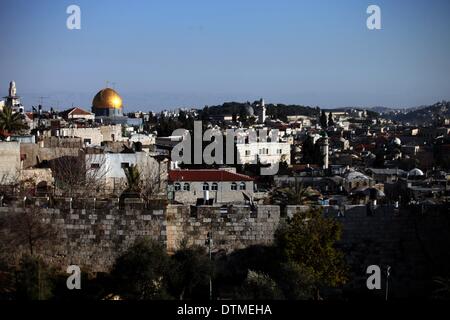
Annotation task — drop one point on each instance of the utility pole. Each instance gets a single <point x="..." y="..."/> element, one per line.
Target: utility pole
<point x="209" y="241"/>
<point x="388" y="273"/>
<point x="41" y="100"/>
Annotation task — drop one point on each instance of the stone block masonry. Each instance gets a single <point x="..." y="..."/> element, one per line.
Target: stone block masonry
<point x="236" y="227"/>
<point x="93" y="239"/>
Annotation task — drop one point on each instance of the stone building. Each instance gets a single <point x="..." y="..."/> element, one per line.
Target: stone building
<point x="77" y="113"/>
<point x="264" y="152"/>
<point x="10" y="162"/>
<point x="94" y="136"/>
<point x="110" y="167"/>
<point x="355" y="180"/>
<point x="215" y="185"/>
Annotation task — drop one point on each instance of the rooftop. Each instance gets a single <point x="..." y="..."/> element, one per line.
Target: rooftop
<point x="206" y="175"/>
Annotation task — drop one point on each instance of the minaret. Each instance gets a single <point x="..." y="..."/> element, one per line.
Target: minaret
<point x="12" y="89"/>
<point x="261" y="111"/>
<point x="324" y="151"/>
<point x="12" y="99"/>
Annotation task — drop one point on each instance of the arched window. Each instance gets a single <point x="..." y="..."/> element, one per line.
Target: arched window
<point x="242" y="186"/>
<point x="214" y="186"/>
<point x="234" y="186"/>
<point x="186" y="187"/>
<point x="205" y="186"/>
<point x="177" y="186"/>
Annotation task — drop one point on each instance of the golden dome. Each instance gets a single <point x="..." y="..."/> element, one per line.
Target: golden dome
<point x="107" y="99"/>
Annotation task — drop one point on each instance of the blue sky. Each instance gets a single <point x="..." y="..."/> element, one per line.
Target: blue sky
<point x="165" y="54"/>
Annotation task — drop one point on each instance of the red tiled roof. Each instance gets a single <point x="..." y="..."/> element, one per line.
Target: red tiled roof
<point x="206" y="175"/>
<point x="76" y="111"/>
<point x="79" y="111"/>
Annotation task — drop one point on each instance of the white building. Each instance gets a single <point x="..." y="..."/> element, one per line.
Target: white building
<point x="145" y="139"/>
<point x="217" y="185"/>
<point x="94" y="136"/>
<point x="305" y="121"/>
<point x="110" y="167"/>
<point x="264" y="152"/>
<point x="77" y="113"/>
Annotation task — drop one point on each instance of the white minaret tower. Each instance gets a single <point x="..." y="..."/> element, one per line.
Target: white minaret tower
<point x="262" y="111"/>
<point x="324" y="149"/>
<point x="12" y="89"/>
<point x="12" y="99"/>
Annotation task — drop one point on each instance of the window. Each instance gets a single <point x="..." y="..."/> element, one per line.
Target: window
<point x="247" y="152"/>
<point x="125" y="165"/>
<point x="95" y="165"/>
<point x="234" y="186"/>
<point x="205" y="186"/>
<point x="177" y="186"/>
<point x="214" y="186"/>
<point x="280" y="151"/>
<point x="87" y="141"/>
<point x="186" y="187"/>
<point x="242" y="186"/>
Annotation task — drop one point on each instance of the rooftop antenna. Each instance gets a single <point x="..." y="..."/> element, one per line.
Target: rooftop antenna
<point x="41" y="100"/>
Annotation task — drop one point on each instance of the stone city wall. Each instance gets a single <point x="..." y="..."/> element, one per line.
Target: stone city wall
<point x="414" y="241"/>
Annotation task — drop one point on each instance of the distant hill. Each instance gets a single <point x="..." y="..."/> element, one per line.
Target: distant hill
<point x="421" y="115"/>
<point x="415" y="115"/>
<point x="279" y="111"/>
<point x="381" y="109"/>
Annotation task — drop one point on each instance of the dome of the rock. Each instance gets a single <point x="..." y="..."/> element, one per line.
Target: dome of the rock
<point x="107" y="102"/>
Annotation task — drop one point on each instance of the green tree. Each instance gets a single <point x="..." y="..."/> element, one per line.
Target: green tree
<point x="298" y="194"/>
<point x="330" y="120"/>
<point x="205" y="114"/>
<point x="133" y="179"/>
<point x="259" y="286"/>
<point x="323" y="120"/>
<point x="141" y="272"/>
<point x="295" y="282"/>
<point x="34" y="279"/>
<point x="11" y="122"/>
<point x="308" y="240"/>
<point x="28" y="229"/>
<point x="191" y="271"/>
<point x="311" y="152"/>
